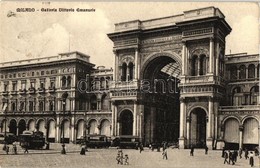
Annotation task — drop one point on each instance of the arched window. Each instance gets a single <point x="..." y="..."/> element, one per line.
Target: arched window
<point x="124" y="71"/>
<point x="69" y="81"/>
<point x="233" y="72"/>
<point x="51" y="105"/>
<point x="131" y="71"/>
<point x="251" y="71"/>
<point x="31" y="106"/>
<point x="103" y="83"/>
<point x="93" y="102"/>
<point x="13" y="106"/>
<point x="63" y="81"/>
<point x="105" y="102"/>
<point x="254" y="95"/>
<point x="242" y="72"/>
<point x="107" y="82"/>
<point x="236" y="96"/>
<point x="41" y="106"/>
<point x="194" y="65"/>
<point x="203" y="65"/>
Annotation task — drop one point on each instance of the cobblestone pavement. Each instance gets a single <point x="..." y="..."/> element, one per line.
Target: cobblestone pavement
<point x="99" y="158"/>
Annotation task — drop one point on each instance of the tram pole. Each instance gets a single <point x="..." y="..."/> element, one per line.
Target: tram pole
<point x="64" y="97"/>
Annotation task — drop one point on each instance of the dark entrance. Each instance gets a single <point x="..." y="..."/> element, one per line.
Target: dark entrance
<point x="126" y="123"/>
<point x="13" y="127"/>
<point x="198" y="128"/>
<point x="21" y="126"/>
<point x="160" y="95"/>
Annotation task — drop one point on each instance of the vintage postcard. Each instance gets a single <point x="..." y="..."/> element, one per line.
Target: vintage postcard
<point x="137" y="84"/>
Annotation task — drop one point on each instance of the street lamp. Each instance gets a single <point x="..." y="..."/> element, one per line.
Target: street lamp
<point x="64" y="97"/>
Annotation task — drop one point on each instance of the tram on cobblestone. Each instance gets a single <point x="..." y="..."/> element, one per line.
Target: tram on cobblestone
<point x="33" y="140"/>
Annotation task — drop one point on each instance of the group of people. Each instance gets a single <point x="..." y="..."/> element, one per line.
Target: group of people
<point x="6" y="148"/>
<point x="121" y="159"/>
<point x="232" y="156"/>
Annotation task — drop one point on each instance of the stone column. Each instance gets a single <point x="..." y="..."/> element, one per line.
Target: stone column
<point x="211" y="55"/>
<point x="241" y="136"/>
<point x="210" y="123"/>
<point x="136" y="64"/>
<point x="115" y="71"/>
<point x="113" y="119"/>
<point x="217" y="60"/>
<point x="188" y="122"/>
<point x="134" y="119"/>
<point x="246" y="72"/>
<point x="58" y="129"/>
<point x="183" y="70"/>
<point x="116" y="122"/>
<point x="182" y="118"/>
<point x="73" y="128"/>
<point x="256" y="71"/>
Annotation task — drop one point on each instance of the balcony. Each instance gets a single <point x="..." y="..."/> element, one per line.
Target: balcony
<point x="13" y="92"/>
<point x="31" y="90"/>
<point x="5" y="93"/>
<point x="245" y="109"/>
<point x="52" y="89"/>
<point x="41" y="90"/>
<point x="124" y="85"/>
<point x="22" y="91"/>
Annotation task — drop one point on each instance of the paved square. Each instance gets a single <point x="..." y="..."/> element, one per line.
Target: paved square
<point x="98" y="158"/>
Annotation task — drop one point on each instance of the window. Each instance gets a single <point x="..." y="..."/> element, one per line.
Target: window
<point x="242" y="72"/>
<point x="23" y="86"/>
<point x="13" y="106"/>
<point x="52" y="84"/>
<point x="202" y="65"/>
<point x="31" y="106"/>
<point x="131" y="71"/>
<point x="194" y="65"/>
<point x="251" y="71"/>
<point x="233" y="72"/>
<point x="42" y="72"/>
<point x="41" y="106"/>
<point x="51" y="102"/>
<point x="32" y="84"/>
<point x="32" y="73"/>
<point x="5" y="87"/>
<point x="124" y="71"/>
<point x="63" y="81"/>
<point x="254" y="95"/>
<point x="236" y="96"/>
<point x="69" y="82"/>
<point x="14" y="86"/>
<point x="93" y="102"/>
<point x="42" y="85"/>
<point x="21" y="106"/>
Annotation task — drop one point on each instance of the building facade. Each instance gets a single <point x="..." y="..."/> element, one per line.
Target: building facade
<point x="171" y="82"/>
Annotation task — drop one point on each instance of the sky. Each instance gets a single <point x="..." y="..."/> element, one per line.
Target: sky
<point x="26" y="35"/>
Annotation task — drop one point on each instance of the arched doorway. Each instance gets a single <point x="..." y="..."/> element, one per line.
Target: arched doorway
<point x="160" y="95"/>
<point x="231" y="133"/>
<point x="41" y="126"/>
<point x="51" y="132"/>
<point x="93" y="127"/>
<point x="21" y="126"/>
<point x="66" y="131"/>
<point x="126" y="123"/>
<point x="250" y="133"/>
<point x="13" y="127"/>
<point x="198" y="127"/>
<point x="105" y="127"/>
<point x="80" y="129"/>
<point x="31" y="125"/>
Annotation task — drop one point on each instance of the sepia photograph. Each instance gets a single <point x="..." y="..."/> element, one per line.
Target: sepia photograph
<point x="136" y="84"/>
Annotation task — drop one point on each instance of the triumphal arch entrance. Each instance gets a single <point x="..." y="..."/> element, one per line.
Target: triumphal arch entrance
<point x="167" y="82"/>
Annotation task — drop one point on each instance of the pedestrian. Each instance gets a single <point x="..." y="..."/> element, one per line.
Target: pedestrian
<point x="223" y="152"/>
<point x="164" y="145"/>
<point x="240" y="152"/>
<point x="83" y="150"/>
<point x="15" y="149"/>
<point x="118" y="158"/>
<point x="165" y="154"/>
<point x="26" y="148"/>
<point x="251" y="159"/>
<point x="150" y="146"/>
<point x="235" y="155"/>
<point x="206" y="150"/>
<point x="191" y="151"/>
<point x="126" y="159"/>
<point x="246" y="153"/>
<point x="225" y="157"/>
<point x="47" y="145"/>
<point x="141" y="147"/>
<point x="256" y="151"/>
<point x="229" y="156"/>
<point x="121" y="157"/>
<point x="7" y="149"/>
